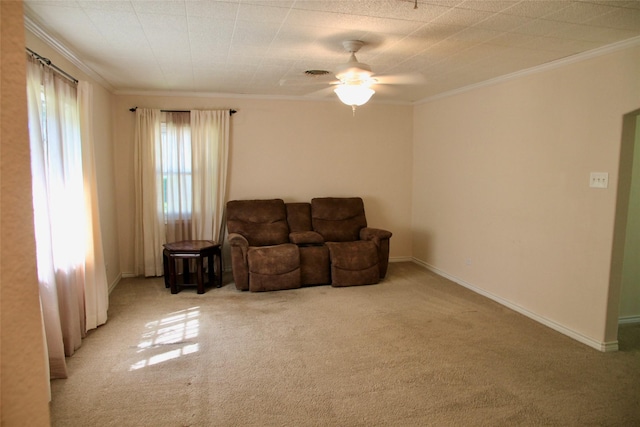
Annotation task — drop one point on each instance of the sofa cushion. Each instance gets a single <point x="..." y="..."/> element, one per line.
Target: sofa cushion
<point x="338" y="219"/>
<point x="261" y="222"/>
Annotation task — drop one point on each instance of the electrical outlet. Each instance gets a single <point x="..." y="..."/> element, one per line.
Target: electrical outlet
<point x="599" y="180"/>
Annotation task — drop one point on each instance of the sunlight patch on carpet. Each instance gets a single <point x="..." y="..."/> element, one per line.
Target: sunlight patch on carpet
<point x="175" y="329"/>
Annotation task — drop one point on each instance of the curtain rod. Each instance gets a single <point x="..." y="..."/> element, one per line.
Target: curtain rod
<point x="47" y="62"/>
<point x="132" y="109"/>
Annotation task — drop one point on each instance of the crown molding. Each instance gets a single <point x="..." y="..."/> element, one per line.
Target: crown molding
<point x="33" y="26"/>
<point x="594" y="53"/>
<point x="195" y="94"/>
<point x="218" y="95"/>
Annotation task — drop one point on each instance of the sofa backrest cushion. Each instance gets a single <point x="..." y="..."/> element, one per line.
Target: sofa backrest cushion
<point x="261" y="222"/>
<point x="299" y="216"/>
<point x="338" y="219"/>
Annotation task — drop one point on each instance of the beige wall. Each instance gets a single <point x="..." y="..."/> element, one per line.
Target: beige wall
<point x="294" y="150"/>
<point x="630" y="291"/>
<point x="104" y="154"/>
<point x="24" y="381"/>
<point x="501" y="200"/>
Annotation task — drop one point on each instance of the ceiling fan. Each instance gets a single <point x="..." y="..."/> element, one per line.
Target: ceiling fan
<point x="354" y="78"/>
<point x="356" y="81"/>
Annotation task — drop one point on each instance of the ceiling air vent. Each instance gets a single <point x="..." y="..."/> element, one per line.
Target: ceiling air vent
<point x="316" y="72"/>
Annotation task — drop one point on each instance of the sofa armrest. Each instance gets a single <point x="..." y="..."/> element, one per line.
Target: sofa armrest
<point x="236" y="239"/>
<point x="374" y="234"/>
<point x="239" y="248"/>
<point x="306" y="238"/>
<point x="381" y="239"/>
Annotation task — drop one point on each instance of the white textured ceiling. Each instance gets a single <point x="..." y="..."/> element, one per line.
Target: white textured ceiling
<point x="251" y="46"/>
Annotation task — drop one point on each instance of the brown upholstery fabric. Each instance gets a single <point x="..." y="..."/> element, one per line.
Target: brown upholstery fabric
<point x="381" y="239"/>
<point x="299" y="216"/>
<point x="338" y="219"/>
<point x="369" y="233"/>
<point x="306" y="238"/>
<point x="354" y="263"/>
<point x="239" y="248"/>
<point x="314" y="265"/>
<point x="261" y="222"/>
<point x="383" y="256"/>
<point x="354" y="247"/>
<point x="261" y="256"/>
<point x="274" y="267"/>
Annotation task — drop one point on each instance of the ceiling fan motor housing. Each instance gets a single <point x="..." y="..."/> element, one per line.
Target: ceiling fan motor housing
<point x="354" y="72"/>
<point x="352" y="46"/>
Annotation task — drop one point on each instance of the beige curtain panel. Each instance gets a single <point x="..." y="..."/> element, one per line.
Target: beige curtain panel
<point x="71" y="274"/>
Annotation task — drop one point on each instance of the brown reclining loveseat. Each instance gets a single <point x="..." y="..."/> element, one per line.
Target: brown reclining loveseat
<point x="277" y="245"/>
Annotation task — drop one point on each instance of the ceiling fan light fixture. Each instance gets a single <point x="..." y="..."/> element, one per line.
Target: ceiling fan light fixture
<point x="354" y="95"/>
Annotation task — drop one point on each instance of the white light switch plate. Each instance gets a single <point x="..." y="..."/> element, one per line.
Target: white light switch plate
<point x="599" y="180"/>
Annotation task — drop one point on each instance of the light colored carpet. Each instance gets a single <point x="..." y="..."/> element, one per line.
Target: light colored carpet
<point x="414" y="350"/>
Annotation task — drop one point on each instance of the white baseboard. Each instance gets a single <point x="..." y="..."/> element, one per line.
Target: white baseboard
<point x="401" y="259"/>
<point x="113" y="284"/>
<point x="629" y="320"/>
<point x="598" y="345"/>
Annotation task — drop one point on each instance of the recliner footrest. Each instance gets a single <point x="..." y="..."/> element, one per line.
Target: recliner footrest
<point x="274" y="268"/>
<point x="354" y="263"/>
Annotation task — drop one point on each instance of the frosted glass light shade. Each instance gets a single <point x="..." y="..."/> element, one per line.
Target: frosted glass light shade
<point x="354" y="95"/>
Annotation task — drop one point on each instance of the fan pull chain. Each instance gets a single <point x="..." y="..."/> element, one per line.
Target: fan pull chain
<point x="415" y="5"/>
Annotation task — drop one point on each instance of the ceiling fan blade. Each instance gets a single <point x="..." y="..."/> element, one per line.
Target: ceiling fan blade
<point x="307" y="80"/>
<point x="400" y="79"/>
<point x="322" y="92"/>
<point x="383" y="89"/>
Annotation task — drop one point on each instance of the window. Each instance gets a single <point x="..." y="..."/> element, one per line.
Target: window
<point x="180" y="168"/>
<point x="176" y="170"/>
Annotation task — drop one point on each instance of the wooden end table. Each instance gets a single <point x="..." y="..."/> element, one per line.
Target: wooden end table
<point x="192" y="249"/>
